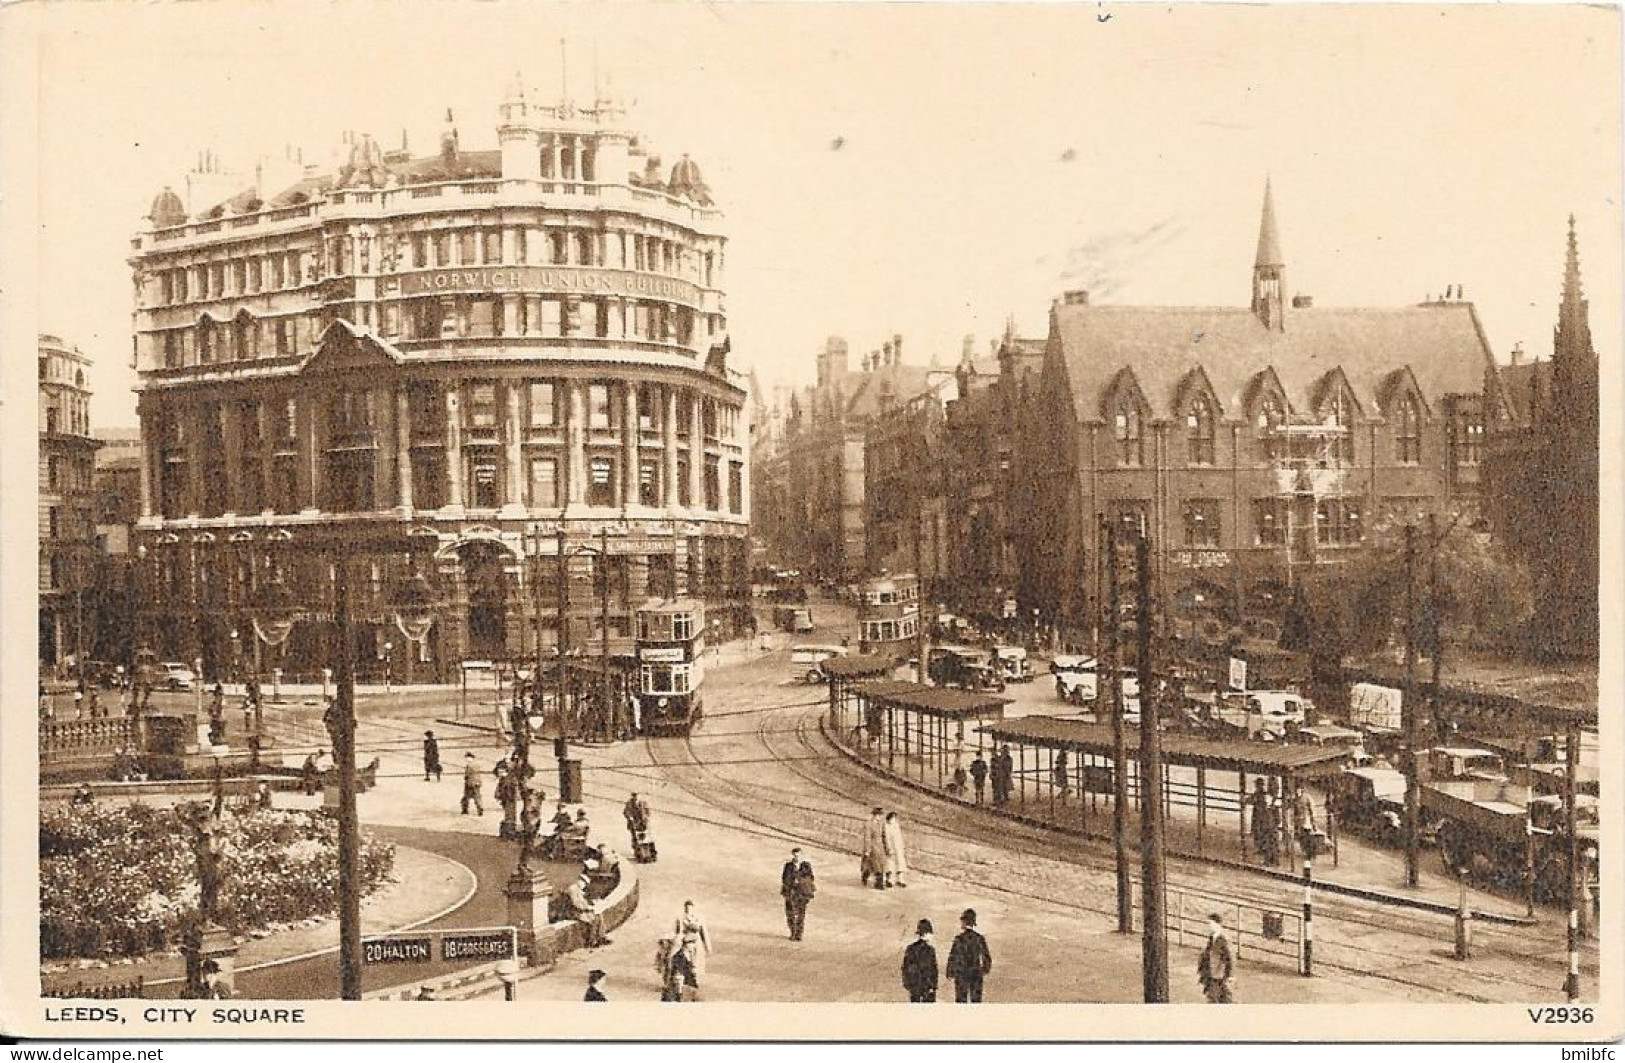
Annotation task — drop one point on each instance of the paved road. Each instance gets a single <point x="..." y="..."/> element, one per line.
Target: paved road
<point x="758" y="776"/>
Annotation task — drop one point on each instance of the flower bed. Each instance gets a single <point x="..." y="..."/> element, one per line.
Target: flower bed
<point x="123" y="880"/>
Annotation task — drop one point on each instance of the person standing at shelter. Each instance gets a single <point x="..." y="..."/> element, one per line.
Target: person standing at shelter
<point x="896" y="857"/>
<point x="969" y="960"/>
<point x="595" y="994"/>
<point x="471" y="784"/>
<point x="978" y="775"/>
<point x="1216" y="965"/>
<point x="431" y="757"/>
<point x="920" y="966"/>
<point x="874" y="848"/>
<point x="796" y="886"/>
<point x="1006" y="768"/>
<point x="1263" y="823"/>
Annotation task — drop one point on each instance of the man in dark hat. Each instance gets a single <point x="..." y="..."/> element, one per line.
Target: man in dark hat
<point x="431" y="757"/>
<point x="796" y="886"/>
<point x="595" y="995"/>
<point x="920" y="966"/>
<point x="969" y="961"/>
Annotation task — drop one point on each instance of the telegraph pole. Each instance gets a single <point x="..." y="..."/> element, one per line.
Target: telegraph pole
<point x="1571" y="775"/>
<point x="608" y="718"/>
<point x="1435" y="620"/>
<point x="1154" y="929"/>
<point x="342" y="726"/>
<point x="919" y="602"/>
<point x="562" y="588"/>
<point x="1413" y="791"/>
<point x="1125" y="885"/>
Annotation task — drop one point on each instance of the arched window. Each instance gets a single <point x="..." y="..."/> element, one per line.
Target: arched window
<point x="1129" y="423"/>
<point x="1408" y="440"/>
<point x="1199" y="429"/>
<point x="1268" y="417"/>
<point x="242" y="336"/>
<point x="206" y="350"/>
<point x="1337" y="411"/>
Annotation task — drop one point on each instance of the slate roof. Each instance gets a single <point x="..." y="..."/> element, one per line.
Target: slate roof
<point x="905" y="381"/>
<point x="1441" y="345"/>
<point x="1518" y="382"/>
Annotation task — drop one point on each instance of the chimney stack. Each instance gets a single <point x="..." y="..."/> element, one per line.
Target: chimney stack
<point x="1302" y="302"/>
<point x="1517" y="352"/>
<point x="897" y="348"/>
<point x="1076" y="297"/>
<point x="885" y="349"/>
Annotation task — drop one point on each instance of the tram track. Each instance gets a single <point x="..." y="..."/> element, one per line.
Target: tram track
<point x="835" y="828"/>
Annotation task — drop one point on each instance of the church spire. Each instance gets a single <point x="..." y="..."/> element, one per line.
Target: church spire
<point x="1574" y="361"/>
<point x="1269" y="269"/>
<point x="1269" y="240"/>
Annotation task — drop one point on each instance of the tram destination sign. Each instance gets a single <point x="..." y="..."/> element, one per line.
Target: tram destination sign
<point x="490" y="945"/>
<point x="416" y="949"/>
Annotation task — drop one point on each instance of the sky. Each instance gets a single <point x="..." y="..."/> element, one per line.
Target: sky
<point x="928" y="169"/>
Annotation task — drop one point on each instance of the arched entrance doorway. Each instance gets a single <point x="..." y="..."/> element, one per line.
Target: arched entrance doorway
<point x="486" y="579"/>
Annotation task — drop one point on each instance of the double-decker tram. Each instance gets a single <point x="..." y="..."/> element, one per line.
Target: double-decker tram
<point x="889" y="615"/>
<point x="670" y="650"/>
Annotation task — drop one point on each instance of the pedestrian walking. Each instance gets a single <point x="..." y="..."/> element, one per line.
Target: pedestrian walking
<point x="896" y="858"/>
<point x="595" y="991"/>
<point x="307" y="774"/>
<point x="1058" y="774"/>
<point x="1005" y="768"/>
<point x="431" y="757"/>
<point x="471" y="784"/>
<point x="874" y="848"/>
<point x="690" y="930"/>
<point x="1216" y="965"/>
<point x="262" y="797"/>
<point x="920" y="966"/>
<point x="969" y="960"/>
<point x="797" y="886"/>
<point x="978" y="775"/>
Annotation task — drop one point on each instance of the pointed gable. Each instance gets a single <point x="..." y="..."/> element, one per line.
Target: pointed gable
<point x="344" y="346"/>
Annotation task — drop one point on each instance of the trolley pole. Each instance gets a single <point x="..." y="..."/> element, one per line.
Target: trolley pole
<point x="1154" y="925"/>
<point x="1571" y="770"/>
<point x="1413" y="790"/>
<point x="343" y="728"/>
<point x="1125" y="885"/>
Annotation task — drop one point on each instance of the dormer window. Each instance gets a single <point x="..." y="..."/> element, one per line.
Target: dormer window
<point x="1129" y="427"/>
<point x="1408" y="438"/>
<point x="1199" y="431"/>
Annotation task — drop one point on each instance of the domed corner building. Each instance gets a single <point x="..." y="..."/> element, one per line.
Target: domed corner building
<point x="444" y="370"/>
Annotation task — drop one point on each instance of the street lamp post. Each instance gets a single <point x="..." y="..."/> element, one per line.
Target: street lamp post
<point x="389" y="665"/>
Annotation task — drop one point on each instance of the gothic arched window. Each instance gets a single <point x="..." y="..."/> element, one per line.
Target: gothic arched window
<point x="1337" y="411"/>
<point x="1129" y="426"/>
<point x="1199" y="429"/>
<point x="1267" y="417"/>
<point x="1408" y="439"/>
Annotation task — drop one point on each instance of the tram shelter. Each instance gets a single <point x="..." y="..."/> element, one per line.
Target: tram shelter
<point x="918" y="732"/>
<point x="1063" y="773"/>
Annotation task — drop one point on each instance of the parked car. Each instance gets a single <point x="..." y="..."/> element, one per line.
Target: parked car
<point x="793" y="619"/>
<point x="811" y="659"/>
<point x="1013" y="664"/>
<point x="177" y="676"/>
<point x="964" y="667"/>
<point x="1077" y="680"/>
